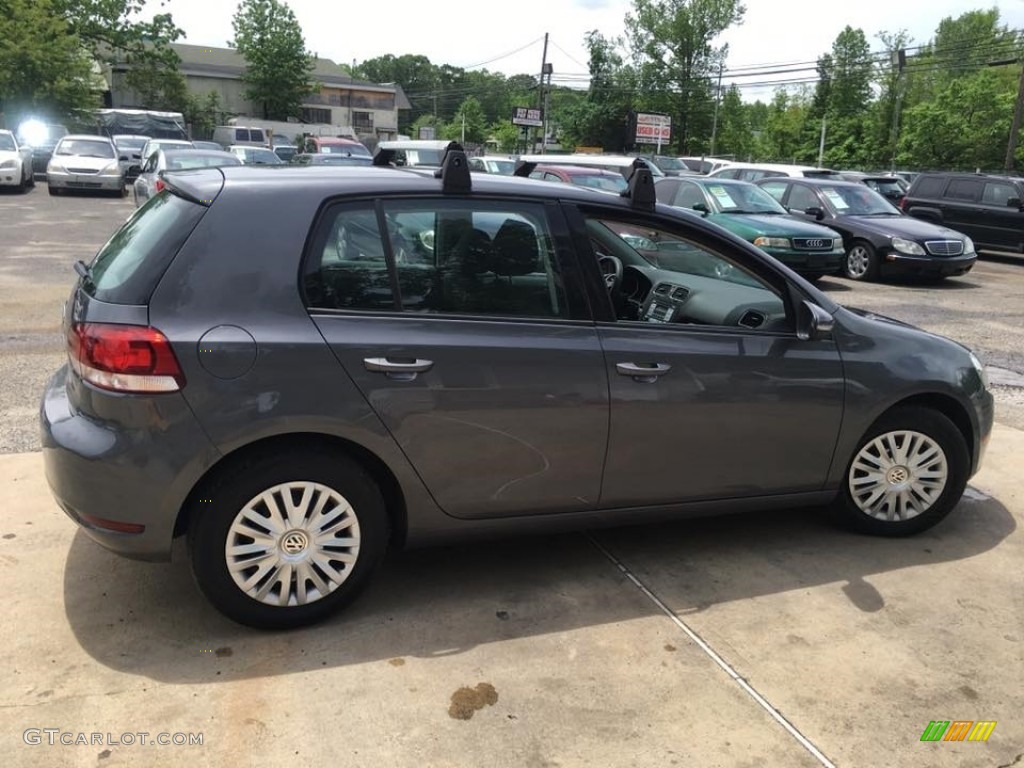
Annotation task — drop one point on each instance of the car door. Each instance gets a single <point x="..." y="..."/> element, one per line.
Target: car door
<point x="961" y="206"/>
<point x="464" y="325"/>
<point x="713" y="396"/>
<point x="998" y="223"/>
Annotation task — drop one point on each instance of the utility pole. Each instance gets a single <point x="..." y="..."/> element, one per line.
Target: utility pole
<point x="718" y="98"/>
<point x="821" y="144"/>
<point x="1018" y="113"/>
<point x="899" y="60"/>
<point x="540" y="91"/>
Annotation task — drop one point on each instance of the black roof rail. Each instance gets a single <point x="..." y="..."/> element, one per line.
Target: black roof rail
<point x="524" y="169"/>
<point x="640" y="185"/>
<point x="454" y="170"/>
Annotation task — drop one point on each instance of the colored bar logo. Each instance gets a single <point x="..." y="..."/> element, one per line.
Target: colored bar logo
<point x="958" y="730"/>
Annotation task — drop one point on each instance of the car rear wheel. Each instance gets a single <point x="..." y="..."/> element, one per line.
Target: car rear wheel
<point x="908" y="472"/>
<point x="278" y="543"/>
<point x="54" y="192"/>
<point x="861" y="261"/>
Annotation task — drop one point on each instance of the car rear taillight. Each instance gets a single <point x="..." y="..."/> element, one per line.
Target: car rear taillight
<point x="903" y="203"/>
<point x="160" y="185"/>
<point x="124" y="358"/>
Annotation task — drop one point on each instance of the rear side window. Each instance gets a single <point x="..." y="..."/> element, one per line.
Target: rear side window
<point x="968" y="190"/>
<point x="997" y="193"/>
<point x="930" y="187"/>
<point x="445" y="258"/>
<point x="256" y="135"/>
<point x="128" y="267"/>
<point x="241" y="134"/>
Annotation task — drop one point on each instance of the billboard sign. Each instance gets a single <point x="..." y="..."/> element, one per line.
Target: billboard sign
<point x="528" y="116"/>
<point x="653" y="128"/>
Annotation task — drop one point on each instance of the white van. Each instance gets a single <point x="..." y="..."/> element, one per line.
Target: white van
<point x="240" y="135"/>
<point x="755" y="171"/>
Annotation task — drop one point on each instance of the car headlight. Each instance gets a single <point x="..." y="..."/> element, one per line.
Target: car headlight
<point x="968" y="245"/>
<point x="908" y="247"/>
<point x="114" y="169"/>
<point x="838" y="243"/>
<point x="980" y="368"/>
<point x="772" y="242"/>
<point x="54" y="167"/>
<point x="8" y="164"/>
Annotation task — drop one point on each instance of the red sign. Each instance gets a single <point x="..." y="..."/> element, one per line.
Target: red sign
<point x="651" y="127"/>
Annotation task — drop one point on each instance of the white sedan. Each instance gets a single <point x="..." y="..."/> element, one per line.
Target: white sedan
<point x="15" y="162"/>
<point x="85" y="162"/>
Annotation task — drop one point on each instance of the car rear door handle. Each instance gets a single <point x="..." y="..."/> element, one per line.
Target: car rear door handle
<point x="645" y="374"/>
<point x="396" y="369"/>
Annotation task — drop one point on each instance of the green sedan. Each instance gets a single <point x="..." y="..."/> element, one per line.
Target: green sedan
<point x="750" y="212"/>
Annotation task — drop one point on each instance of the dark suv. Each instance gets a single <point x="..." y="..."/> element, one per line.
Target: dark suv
<point x="990" y="209"/>
<point x="298" y="367"/>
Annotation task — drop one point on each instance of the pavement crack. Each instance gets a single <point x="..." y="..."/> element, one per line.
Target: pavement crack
<point x="711" y="653"/>
<point x="1016" y="761"/>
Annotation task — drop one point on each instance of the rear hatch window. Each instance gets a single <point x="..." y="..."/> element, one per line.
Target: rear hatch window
<point x="128" y="268"/>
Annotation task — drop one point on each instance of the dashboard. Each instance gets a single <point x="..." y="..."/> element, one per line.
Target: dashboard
<point x="660" y="296"/>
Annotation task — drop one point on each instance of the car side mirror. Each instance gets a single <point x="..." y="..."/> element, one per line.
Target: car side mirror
<point x="816" y="212"/>
<point x="702" y="208"/>
<point x="813" y="322"/>
<point x="1014" y="202"/>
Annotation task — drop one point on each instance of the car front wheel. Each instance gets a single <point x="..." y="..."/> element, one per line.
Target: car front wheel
<point x="908" y="472"/>
<point x="861" y="261"/>
<point x="280" y="543"/>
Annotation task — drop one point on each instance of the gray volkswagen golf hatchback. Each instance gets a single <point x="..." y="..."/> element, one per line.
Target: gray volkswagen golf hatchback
<point x="298" y="368"/>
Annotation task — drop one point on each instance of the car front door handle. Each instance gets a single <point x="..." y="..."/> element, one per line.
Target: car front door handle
<point x="396" y="369"/>
<point x="645" y="374"/>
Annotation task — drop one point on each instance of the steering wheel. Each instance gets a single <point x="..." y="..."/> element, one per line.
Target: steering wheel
<point x="611" y="268"/>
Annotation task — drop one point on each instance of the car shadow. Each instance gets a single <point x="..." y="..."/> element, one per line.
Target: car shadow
<point x="149" y="619"/>
<point x="832" y="285"/>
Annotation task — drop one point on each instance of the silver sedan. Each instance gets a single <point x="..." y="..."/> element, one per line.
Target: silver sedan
<point x="150" y="181"/>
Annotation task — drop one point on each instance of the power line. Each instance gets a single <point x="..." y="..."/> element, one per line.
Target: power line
<point x="504" y="55"/>
<point x="569" y="55"/>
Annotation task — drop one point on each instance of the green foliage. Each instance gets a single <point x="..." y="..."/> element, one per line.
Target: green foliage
<point x="468" y="124"/>
<point x="278" y="69"/>
<point x="508" y="136"/>
<point x="44" y="67"/>
<point x="204" y="114"/>
<point x="672" y="45"/>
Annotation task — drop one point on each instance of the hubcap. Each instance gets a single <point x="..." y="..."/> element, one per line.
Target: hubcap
<point x="898" y="475"/>
<point x="857" y="261"/>
<point x="293" y="544"/>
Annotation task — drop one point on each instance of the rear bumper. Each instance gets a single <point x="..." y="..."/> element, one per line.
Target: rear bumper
<point x="932" y="266"/>
<point x="137" y="472"/>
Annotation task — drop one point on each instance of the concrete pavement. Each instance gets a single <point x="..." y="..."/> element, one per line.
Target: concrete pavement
<point x="605" y="649"/>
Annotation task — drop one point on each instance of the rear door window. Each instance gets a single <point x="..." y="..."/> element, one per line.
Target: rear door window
<point x="930" y="187"/>
<point x="241" y="134"/>
<point x="256" y="135"/>
<point x="997" y="193"/>
<point x="127" y="269"/>
<point x="967" y="190"/>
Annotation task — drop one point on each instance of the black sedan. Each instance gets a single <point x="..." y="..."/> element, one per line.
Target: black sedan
<point x="879" y="238"/>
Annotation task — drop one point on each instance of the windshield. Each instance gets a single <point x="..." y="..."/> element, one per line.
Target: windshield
<point x="857" y="201"/>
<point x="345" y="149"/>
<point x="130" y="143"/>
<point x="342" y="160"/>
<point x="503" y="167"/>
<point x="742" y="198"/>
<point x="262" y="157"/>
<point x="85" y="148"/>
<point x="669" y="163"/>
<point x="197" y="159"/>
<point x="7" y="142"/>
<point x="607" y="182"/>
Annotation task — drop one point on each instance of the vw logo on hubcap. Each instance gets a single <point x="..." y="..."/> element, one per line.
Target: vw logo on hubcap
<point x="898" y="475"/>
<point x="294" y="542"/>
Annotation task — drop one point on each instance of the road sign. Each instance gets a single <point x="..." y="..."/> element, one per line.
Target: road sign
<point x="528" y="116"/>
<point x="653" y="128"/>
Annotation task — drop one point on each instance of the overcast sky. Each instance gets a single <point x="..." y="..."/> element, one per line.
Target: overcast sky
<point x="470" y="35"/>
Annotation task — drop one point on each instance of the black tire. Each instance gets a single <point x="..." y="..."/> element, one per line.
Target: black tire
<point x="213" y="514"/>
<point x="861" y="261"/>
<point x="54" y="192"/>
<point x="934" y="427"/>
<point x="24" y="185"/>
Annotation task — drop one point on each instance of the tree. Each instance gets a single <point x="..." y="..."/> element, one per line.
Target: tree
<point x="734" y="136"/>
<point x="508" y="136"/>
<point x="44" y="68"/>
<point x="278" y="69"/>
<point x="599" y="120"/>
<point x="469" y="123"/>
<point x="111" y="31"/>
<point x="204" y="114"/>
<point x="672" y="45"/>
